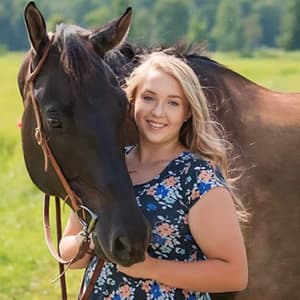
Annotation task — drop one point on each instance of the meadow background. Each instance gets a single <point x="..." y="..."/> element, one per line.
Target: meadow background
<point x="26" y="266"/>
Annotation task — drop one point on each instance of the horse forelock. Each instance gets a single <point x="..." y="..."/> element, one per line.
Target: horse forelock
<point x="76" y="55"/>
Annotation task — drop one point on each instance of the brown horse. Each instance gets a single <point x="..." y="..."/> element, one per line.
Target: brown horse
<point x="264" y="128"/>
<point x="263" y="125"/>
<point x="74" y="110"/>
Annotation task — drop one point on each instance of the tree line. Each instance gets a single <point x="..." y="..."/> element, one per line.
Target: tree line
<point x="226" y="25"/>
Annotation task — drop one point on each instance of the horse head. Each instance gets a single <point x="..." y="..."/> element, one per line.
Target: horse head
<point x="82" y="110"/>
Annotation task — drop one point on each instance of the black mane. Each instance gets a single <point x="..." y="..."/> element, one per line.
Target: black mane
<point x="77" y="59"/>
<point x="125" y="58"/>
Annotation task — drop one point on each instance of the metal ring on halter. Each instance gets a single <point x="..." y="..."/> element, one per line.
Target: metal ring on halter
<point x="38" y="136"/>
<point x="88" y="228"/>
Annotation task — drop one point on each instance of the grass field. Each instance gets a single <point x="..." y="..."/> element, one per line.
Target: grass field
<point x="27" y="267"/>
<point x="273" y="69"/>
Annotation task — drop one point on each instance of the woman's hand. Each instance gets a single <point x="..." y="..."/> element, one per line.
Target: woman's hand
<point x="144" y="269"/>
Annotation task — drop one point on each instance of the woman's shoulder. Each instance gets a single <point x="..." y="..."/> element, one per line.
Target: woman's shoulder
<point x="199" y="175"/>
<point x="195" y="160"/>
<point x="194" y="168"/>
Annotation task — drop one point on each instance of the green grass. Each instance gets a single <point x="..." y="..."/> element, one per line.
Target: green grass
<point x="274" y="69"/>
<point x="26" y="265"/>
<point x="11" y="104"/>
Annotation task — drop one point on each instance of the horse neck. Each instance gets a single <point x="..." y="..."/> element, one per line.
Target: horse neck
<point x="256" y="103"/>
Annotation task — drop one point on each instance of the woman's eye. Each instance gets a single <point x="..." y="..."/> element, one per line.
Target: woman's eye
<point x="173" y="102"/>
<point x="148" y="98"/>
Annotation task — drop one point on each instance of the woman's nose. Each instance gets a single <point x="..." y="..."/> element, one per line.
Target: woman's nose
<point x="158" y="110"/>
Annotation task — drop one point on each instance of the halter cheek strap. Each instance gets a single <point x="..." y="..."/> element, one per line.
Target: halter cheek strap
<point x="40" y="136"/>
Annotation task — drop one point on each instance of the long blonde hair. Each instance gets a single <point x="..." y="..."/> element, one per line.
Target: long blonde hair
<point x="200" y="134"/>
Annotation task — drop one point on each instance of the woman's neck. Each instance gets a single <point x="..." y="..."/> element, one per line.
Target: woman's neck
<point x="147" y="153"/>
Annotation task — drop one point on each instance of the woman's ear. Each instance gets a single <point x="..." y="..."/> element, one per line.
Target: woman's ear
<point x="188" y="115"/>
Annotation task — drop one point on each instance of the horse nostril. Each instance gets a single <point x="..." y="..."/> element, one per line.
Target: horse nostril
<point x="122" y="245"/>
<point x="127" y="250"/>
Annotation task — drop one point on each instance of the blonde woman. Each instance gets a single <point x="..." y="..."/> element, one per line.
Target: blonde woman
<point x="179" y="173"/>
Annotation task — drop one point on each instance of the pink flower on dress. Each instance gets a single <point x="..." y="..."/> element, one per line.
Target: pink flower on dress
<point x="170" y="181"/>
<point x="151" y="191"/>
<point x="185" y="219"/>
<point x="146" y="286"/>
<point x="164" y="229"/>
<point x="195" y="194"/>
<point x="165" y="288"/>
<point x="186" y="169"/>
<point x="125" y="291"/>
<point x="185" y="294"/>
<point x="204" y="175"/>
<point x="194" y="256"/>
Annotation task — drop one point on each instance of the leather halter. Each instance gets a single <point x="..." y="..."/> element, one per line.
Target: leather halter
<point x="40" y="136"/>
<point x="75" y="201"/>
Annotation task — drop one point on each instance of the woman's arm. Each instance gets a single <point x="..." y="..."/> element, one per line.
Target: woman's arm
<point x="214" y="225"/>
<point x="70" y="243"/>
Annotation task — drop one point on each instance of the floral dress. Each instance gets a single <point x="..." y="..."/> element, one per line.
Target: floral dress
<point x="165" y="201"/>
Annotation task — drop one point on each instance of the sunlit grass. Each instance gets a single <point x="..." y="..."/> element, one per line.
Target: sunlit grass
<point x="275" y="70"/>
<point x="10" y="101"/>
<point x="26" y="265"/>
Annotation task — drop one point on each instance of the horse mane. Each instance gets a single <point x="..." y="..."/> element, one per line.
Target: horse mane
<point x="127" y="56"/>
<point x="76" y="58"/>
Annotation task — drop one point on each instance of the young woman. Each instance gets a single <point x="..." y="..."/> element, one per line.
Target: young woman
<point x="179" y="173"/>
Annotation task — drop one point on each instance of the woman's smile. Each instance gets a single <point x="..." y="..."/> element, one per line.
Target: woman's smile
<point x="156" y="125"/>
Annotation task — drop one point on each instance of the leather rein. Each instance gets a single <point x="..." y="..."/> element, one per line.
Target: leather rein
<point x="75" y="201"/>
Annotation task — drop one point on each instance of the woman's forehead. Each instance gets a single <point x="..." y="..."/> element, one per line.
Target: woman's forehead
<point x="157" y="81"/>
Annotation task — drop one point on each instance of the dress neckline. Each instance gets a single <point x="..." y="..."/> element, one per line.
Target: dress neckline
<point x="164" y="170"/>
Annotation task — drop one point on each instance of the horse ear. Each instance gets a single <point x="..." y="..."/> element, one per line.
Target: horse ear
<point x="36" y="27"/>
<point x="112" y="34"/>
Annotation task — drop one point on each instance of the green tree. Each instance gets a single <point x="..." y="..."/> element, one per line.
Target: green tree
<point x="119" y="6"/>
<point x="98" y="17"/>
<point x="171" y="21"/>
<point x="227" y="31"/>
<point x="141" y="31"/>
<point x="289" y="38"/>
<point x="269" y="14"/>
<point x="197" y="31"/>
<point x="252" y="33"/>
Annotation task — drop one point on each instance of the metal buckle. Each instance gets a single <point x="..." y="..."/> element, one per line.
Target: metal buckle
<point x="38" y="136"/>
<point x="88" y="228"/>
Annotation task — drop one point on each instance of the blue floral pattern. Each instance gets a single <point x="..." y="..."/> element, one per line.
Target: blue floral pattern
<point x="165" y="200"/>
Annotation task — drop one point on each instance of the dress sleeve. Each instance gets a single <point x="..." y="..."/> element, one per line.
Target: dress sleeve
<point x="201" y="178"/>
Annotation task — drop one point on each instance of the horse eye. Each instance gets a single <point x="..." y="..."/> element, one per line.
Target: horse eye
<point x="54" y="123"/>
<point x="53" y="118"/>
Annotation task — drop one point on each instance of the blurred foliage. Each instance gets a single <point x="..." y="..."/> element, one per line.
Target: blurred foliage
<point x="240" y="25"/>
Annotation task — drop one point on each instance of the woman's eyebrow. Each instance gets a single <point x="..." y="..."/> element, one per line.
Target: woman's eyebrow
<point x="149" y="91"/>
<point x="171" y="95"/>
<point x="175" y="96"/>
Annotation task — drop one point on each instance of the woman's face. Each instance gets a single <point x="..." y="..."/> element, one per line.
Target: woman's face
<point x="160" y="108"/>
